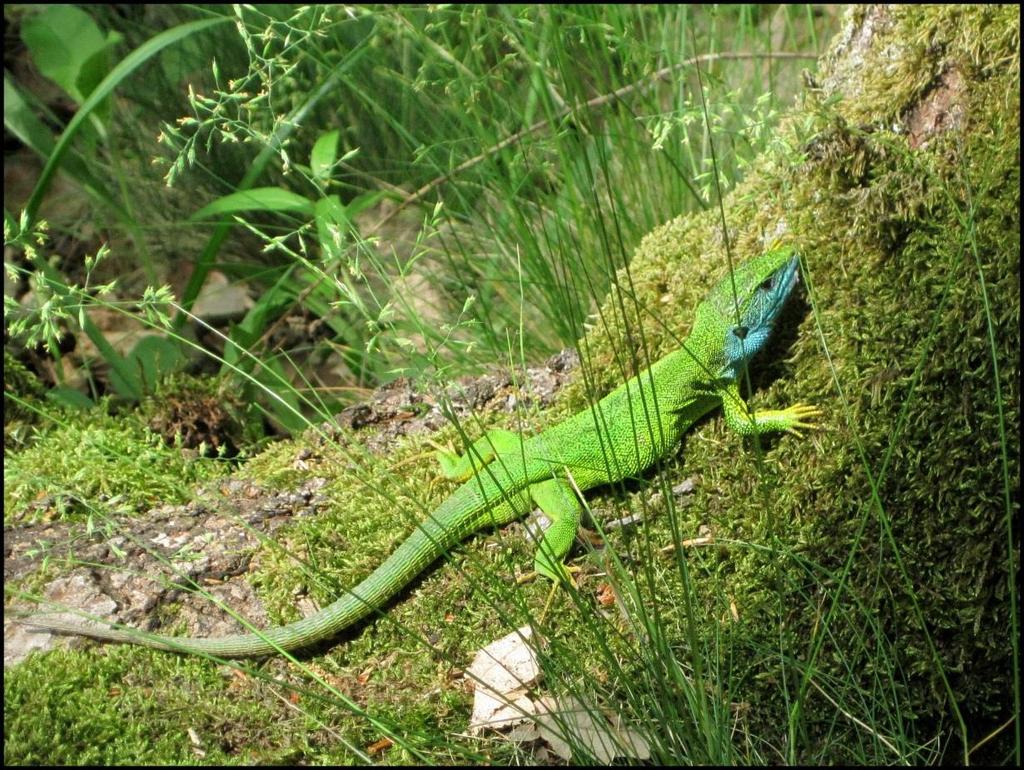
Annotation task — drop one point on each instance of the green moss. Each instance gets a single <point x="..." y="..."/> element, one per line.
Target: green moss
<point x="93" y="462"/>
<point x="18" y="381"/>
<point x="920" y="43"/>
<point x="107" y="705"/>
<point x="371" y="503"/>
<point x="103" y="706"/>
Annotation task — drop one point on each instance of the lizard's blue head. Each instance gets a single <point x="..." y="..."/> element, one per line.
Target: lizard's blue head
<point x="763" y="285"/>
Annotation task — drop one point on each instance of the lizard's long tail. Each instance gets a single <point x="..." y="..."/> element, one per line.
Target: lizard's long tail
<point x="462" y="513"/>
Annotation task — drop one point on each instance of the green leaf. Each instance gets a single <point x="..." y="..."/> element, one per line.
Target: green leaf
<point x="124" y="68"/>
<point x="286" y="408"/>
<point x="334" y="219"/>
<point x="123" y="376"/>
<point x="21" y="120"/>
<point x="95" y="68"/>
<point x="295" y="118"/>
<point x="70" y="397"/>
<point x="125" y="386"/>
<point x="367" y="200"/>
<point x="68" y="47"/>
<point x="256" y="199"/>
<point x="246" y="332"/>
<point x="321" y="159"/>
<point x="181" y="62"/>
<point x="154" y="357"/>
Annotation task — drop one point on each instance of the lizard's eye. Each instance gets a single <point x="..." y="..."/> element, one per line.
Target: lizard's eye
<point x="741" y="332"/>
<point x="767" y="283"/>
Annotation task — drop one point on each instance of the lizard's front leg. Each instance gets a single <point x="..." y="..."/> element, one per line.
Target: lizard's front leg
<point x="740" y="419"/>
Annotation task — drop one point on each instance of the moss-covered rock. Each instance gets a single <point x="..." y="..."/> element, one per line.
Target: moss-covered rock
<point x="873" y="559"/>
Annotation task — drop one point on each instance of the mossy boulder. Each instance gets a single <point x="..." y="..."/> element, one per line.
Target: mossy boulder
<point x="872" y="560"/>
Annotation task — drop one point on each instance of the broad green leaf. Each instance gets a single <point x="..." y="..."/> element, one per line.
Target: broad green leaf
<point x="321" y="159"/>
<point x="181" y="62"/>
<point x="285" y="408"/>
<point x="295" y="118"/>
<point x="21" y="120"/>
<point x="70" y="397"/>
<point x="68" y="47"/>
<point x="368" y="199"/>
<point x="95" y="68"/>
<point x="256" y="199"/>
<point x="246" y="332"/>
<point x="154" y="357"/>
<point x="129" y="387"/>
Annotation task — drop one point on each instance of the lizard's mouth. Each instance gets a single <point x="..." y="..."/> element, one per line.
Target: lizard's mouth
<point x="784" y="281"/>
<point x="790" y="274"/>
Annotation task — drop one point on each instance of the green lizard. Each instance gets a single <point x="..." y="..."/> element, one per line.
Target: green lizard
<point x="505" y="474"/>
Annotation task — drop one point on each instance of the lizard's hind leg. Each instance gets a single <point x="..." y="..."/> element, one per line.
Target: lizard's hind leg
<point x="558" y="500"/>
